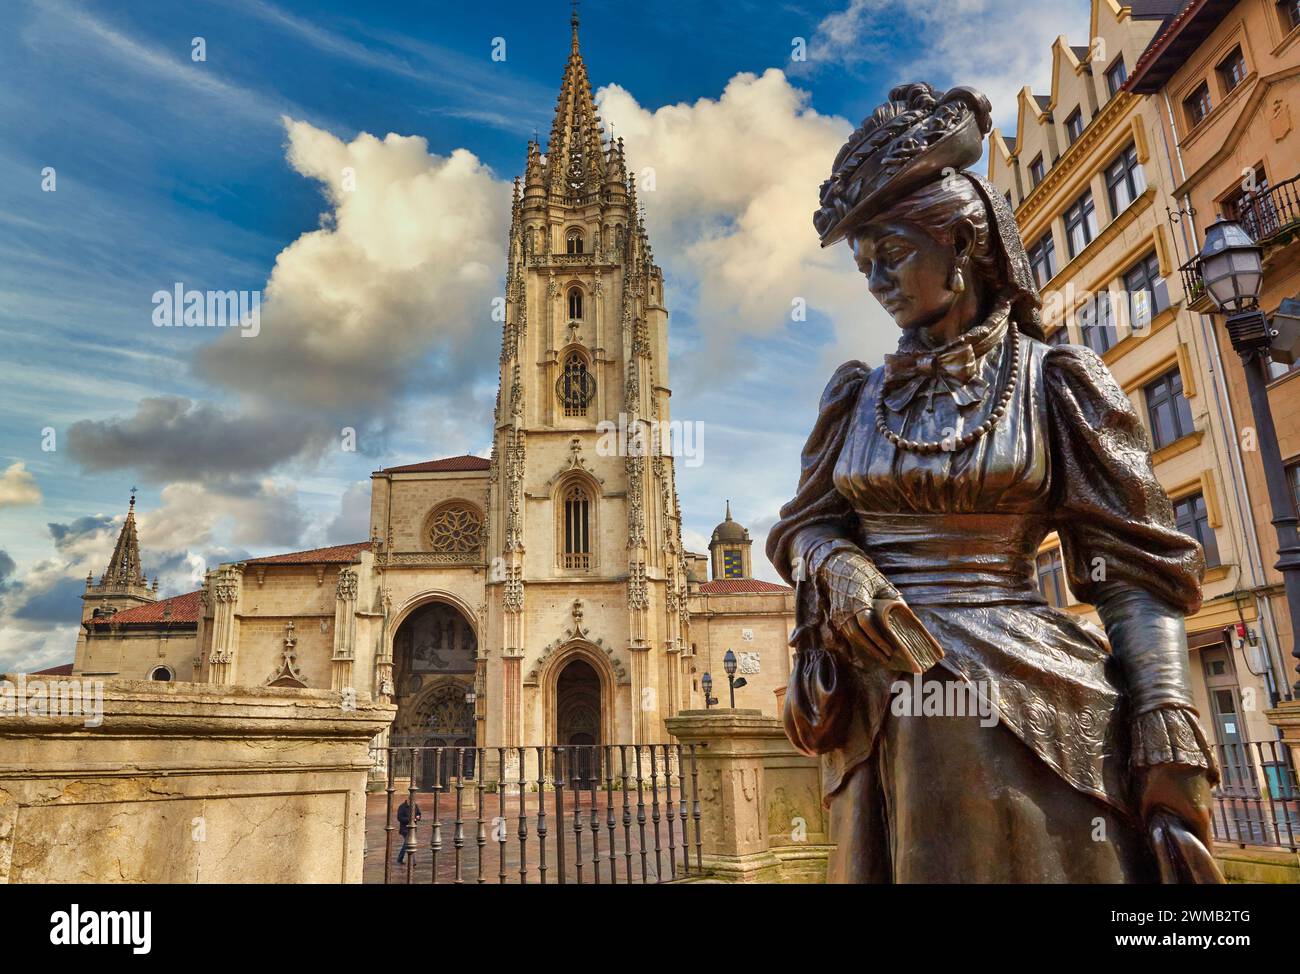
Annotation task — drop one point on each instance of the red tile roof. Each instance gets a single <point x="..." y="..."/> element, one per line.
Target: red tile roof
<point x="445" y="465"/>
<point x="63" y="669"/>
<point x="183" y="608"/>
<point x="740" y="586"/>
<point x="339" y="553"/>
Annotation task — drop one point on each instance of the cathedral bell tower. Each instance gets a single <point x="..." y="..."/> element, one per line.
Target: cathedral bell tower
<point x="584" y="534"/>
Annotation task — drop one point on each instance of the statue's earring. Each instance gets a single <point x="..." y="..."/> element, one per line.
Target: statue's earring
<point x="957" y="283"/>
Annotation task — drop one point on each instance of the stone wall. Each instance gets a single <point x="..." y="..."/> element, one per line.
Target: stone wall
<point x="187" y="783"/>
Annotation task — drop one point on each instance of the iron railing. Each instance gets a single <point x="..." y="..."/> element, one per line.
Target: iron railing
<point x="538" y="814"/>
<point x="1267" y="213"/>
<point x="1264" y="215"/>
<point x="1257" y="801"/>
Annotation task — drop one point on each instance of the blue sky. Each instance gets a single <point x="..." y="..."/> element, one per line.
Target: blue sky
<point x="217" y="173"/>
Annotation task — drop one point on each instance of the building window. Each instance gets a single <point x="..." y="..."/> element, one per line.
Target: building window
<point x="455" y="529"/>
<point x="574" y="242"/>
<point x="161" y="674"/>
<point x="1061" y="336"/>
<point x="1080" y="224"/>
<point x="1125" y="181"/>
<point x="1097" y="325"/>
<point x="1148" y="294"/>
<point x="575" y="302"/>
<point x="733" y="564"/>
<point x="1074" y="126"/>
<point x="1116" y="75"/>
<point x="1168" y="411"/>
<point x="1232" y="69"/>
<point x="1293" y="477"/>
<point x="577" y="528"/>
<point x="1042" y="258"/>
<point x="1012" y="205"/>
<point x="577" y="386"/>
<point x="1198" y="104"/>
<point x="1290" y="11"/>
<point x="1192" y="519"/>
<point x="1036" y="170"/>
<point x="1051" y="577"/>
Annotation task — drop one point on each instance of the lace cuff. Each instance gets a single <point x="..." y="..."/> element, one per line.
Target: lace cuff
<point x="1172" y="735"/>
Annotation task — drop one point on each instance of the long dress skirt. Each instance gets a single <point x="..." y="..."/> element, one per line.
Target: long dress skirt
<point x="951" y="800"/>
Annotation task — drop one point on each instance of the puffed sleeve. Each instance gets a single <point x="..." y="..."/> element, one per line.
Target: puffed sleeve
<point x="1123" y="553"/>
<point x="814" y="525"/>
<point x="815" y="522"/>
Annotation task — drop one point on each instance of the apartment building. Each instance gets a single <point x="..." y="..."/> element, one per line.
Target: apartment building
<point x="1095" y="190"/>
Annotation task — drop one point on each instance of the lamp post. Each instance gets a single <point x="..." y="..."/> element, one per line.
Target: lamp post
<point x="706" y="684"/>
<point x="729" y="664"/>
<point x="1232" y="266"/>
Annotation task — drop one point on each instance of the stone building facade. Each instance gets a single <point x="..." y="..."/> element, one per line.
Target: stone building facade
<point x="1099" y="192"/>
<point x="1225" y="78"/>
<point x="542" y="594"/>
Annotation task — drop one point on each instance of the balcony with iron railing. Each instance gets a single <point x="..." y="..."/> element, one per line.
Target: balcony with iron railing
<point x="1271" y="217"/>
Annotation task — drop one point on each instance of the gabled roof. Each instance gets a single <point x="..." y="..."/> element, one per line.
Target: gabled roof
<point x="444" y="465"/>
<point x="339" y="553"/>
<point x="740" y="586"/>
<point x="179" y="608"/>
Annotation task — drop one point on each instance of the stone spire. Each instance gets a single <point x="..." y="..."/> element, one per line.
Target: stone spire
<point x="123" y="584"/>
<point x="575" y="157"/>
<point x="124" y="566"/>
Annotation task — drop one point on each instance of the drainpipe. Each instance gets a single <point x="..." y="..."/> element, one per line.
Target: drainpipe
<point x="1228" y="425"/>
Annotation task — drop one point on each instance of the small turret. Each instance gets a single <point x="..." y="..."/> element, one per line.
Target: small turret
<point x="729" y="548"/>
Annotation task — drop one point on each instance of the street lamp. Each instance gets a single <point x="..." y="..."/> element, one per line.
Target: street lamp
<point x="729" y="664"/>
<point x="706" y="684"/>
<point x="1232" y="266"/>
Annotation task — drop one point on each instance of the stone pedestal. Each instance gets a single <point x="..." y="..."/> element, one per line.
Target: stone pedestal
<point x="761" y="816"/>
<point x="1286" y="717"/>
<point x="188" y="783"/>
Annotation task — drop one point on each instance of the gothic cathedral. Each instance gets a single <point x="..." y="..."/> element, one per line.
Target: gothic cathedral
<point x="539" y="596"/>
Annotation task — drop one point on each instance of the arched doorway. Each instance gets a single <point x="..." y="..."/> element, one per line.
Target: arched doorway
<point x="577" y="716"/>
<point x="435" y="652"/>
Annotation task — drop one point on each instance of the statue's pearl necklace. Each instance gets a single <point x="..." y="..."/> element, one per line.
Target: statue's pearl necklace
<point x="972" y="436"/>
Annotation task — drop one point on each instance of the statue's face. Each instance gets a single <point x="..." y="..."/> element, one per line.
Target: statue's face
<point x="907" y="270"/>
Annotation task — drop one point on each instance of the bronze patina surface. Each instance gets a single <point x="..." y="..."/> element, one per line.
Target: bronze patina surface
<point x="926" y="487"/>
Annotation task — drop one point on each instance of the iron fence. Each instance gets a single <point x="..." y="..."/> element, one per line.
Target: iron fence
<point x="1257" y="801"/>
<point x="591" y="813"/>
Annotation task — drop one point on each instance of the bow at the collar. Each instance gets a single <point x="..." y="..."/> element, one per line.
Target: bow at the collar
<point x="949" y="370"/>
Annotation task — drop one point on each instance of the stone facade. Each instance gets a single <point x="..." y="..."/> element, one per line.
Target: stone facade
<point x="1093" y="172"/>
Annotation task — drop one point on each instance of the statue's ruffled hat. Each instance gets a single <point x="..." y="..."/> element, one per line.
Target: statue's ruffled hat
<point x="915" y="137"/>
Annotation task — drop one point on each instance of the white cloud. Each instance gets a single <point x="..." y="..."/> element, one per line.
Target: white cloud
<point x="736" y="183"/>
<point x="399" y="277"/>
<point x="961" y="42"/>
<point x="18" y="487"/>
<point x="394" y="286"/>
<point x="352" y="523"/>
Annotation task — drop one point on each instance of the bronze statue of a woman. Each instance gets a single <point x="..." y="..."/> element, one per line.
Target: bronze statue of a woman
<point x="926" y="488"/>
